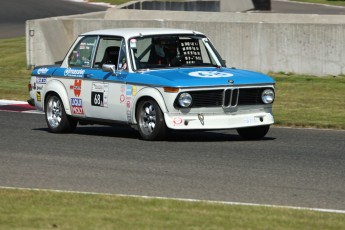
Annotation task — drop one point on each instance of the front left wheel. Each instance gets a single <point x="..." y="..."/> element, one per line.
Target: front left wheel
<point x="57" y="119"/>
<point x="150" y="118"/>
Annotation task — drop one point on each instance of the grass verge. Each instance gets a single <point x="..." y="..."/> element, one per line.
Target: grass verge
<point x="309" y="101"/>
<point x="14" y="77"/>
<point x="26" y="209"/>
<point x="327" y="2"/>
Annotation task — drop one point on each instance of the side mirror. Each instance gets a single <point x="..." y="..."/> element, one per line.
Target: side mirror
<point x="109" y="68"/>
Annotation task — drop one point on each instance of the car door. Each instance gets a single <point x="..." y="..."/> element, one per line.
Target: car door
<point x="106" y="94"/>
<point x="94" y="93"/>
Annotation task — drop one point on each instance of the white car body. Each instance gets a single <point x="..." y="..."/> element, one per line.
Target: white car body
<point x="88" y="89"/>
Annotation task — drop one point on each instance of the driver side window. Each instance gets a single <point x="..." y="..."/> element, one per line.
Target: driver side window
<point x="108" y="52"/>
<point x="81" y="55"/>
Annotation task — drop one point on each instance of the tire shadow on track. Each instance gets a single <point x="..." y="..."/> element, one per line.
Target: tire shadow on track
<point x="172" y="136"/>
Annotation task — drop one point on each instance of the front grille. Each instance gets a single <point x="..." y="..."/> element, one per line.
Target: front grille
<point x="250" y="96"/>
<point x="231" y="97"/>
<point x="226" y="98"/>
<point x="210" y="98"/>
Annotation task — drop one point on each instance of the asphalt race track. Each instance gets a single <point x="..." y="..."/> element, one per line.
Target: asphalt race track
<point x="291" y="167"/>
<point x="284" y="6"/>
<point x="14" y="13"/>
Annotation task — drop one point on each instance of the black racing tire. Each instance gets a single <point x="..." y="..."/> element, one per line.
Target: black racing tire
<point x="57" y="119"/>
<point x="150" y="119"/>
<point x="253" y="133"/>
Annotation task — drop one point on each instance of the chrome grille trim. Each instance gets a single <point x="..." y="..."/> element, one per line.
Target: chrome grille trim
<point x="230" y="97"/>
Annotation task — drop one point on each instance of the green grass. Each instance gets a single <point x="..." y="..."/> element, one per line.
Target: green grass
<point x="14" y="77"/>
<point x="329" y="2"/>
<point x="26" y="209"/>
<point x="309" y="101"/>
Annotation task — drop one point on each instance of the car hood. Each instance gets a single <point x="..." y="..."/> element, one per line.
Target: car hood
<point x="204" y="77"/>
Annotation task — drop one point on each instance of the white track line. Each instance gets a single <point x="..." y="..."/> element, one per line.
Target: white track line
<point x="12" y="102"/>
<point x="182" y="199"/>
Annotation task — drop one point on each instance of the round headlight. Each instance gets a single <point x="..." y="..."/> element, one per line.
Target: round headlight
<point x="185" y="100"/>
<point x="267" y="96"/>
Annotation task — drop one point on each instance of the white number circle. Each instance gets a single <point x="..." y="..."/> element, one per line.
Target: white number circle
<point x="210" y="74"/>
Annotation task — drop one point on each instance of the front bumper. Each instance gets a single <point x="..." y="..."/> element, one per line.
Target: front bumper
<point x="216" y="121"/>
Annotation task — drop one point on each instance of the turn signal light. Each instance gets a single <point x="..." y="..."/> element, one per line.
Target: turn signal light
<point x="171" y="90"/>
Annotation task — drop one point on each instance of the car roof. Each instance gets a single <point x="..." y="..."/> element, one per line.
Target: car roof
<point x="134" y="32"/>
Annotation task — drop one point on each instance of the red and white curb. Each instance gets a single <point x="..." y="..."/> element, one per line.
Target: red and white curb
<point x="17" y="106"/>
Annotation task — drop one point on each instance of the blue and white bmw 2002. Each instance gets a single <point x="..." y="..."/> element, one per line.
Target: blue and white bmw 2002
<point x="153" y="80"/>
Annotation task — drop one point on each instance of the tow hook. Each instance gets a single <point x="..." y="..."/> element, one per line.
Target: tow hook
<point x="201" y="118"/>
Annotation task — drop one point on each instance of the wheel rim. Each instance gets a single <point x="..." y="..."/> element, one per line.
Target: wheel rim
<point x="147" y="119"/>
<point x="54" y="109"/>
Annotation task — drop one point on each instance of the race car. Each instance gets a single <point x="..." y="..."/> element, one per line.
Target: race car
<point x="154" y="80"/>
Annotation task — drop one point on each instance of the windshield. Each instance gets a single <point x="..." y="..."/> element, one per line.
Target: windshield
<point x="168" y="51"/>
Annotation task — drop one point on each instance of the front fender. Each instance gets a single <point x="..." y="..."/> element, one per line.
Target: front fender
<point x="148" y="92"/>
<point x="56" y="86"/>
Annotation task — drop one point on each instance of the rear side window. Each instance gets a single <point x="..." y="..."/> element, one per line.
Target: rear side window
<point x="81" y="55"/>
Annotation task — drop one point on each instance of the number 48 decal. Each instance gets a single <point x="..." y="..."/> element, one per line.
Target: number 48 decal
<point x="97" y="99"/>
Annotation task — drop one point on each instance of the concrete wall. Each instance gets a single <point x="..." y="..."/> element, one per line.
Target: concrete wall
<point x="200" y="5"/>
<point x="48" y="40"/>
<point x="308" y="44"/>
